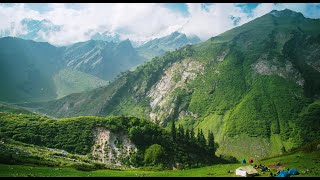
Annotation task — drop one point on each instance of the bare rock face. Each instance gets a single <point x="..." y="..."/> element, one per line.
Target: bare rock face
<point x="267" y="66"/>
<point x="176" y="76"/>
<point x="312" y="56"/>
<point x="223" y="55"/>
<point x="111" y="148"/>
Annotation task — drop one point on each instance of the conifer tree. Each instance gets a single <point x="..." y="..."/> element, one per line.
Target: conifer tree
<point x="187" y="136"/>
<point x="202" y="139"/>
<point x="211" y="147"/>
<point x="192" y="138"/>
<point x="173" y="130"/>
<point x="181" y="132"/>
<point x="199" y="137"/>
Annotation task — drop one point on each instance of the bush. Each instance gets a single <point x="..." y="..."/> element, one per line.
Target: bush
<point x="228" y="159"/>
<point x="159" y="167"/>
<point x="99" y="165"/>
<point x="154" y="155"/>
<point x="310" y="147"/>
<point x="84" y="167"/>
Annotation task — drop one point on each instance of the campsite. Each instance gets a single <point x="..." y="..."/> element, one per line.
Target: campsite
<point x="305" y="162"/>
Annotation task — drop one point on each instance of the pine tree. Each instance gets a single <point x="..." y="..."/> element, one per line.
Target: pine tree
<point x="199" y="137"/>
<point x="180" y="132"/>
<point x="203" y="142"/>
<point x="187" y="136"/>
<point x="192" y="138"/>
<point x="173" y="130"/>
<point x="211" y="147"/>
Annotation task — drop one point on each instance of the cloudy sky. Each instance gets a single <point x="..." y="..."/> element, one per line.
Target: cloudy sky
<point x="139" y="22"/>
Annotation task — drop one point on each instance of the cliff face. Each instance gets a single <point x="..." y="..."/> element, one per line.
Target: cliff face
<point x="111" y="148"/>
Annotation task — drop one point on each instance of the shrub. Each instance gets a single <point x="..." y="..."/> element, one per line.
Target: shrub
<point x="99" y="165"/>
<point x="84" y="167"/>
<point x="154" y="155"/>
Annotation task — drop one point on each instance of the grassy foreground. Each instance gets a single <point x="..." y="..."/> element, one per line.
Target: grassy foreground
<point x="302" y="161"/>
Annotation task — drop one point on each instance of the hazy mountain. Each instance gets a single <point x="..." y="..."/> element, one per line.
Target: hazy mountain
<point x="106" y="36"/>
<point x="26" y="70"/>
<point x="36" y="71"/>
<point x="34" y="30"/>
<point x="101" y="58"/>
<point x="37" y="30"/>
<point x="159" y="46"/>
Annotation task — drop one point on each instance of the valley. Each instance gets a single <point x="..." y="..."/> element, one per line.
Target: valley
<point x="172" y="106"/>
<point x="243" y="89"/>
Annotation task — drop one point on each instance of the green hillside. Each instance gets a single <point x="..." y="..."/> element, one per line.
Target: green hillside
<point x="9" y="108"/>
<point x="255" y="86"/>
<point x="81" y="136"/>
<point x="70" y="81"/>
<point x="26" y="70"/>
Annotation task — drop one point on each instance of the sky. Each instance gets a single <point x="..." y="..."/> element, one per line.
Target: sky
<point x="139" y="22"/>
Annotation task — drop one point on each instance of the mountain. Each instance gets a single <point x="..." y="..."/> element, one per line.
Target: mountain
<point x="106" y="36"/>
<point x="35" y="30"/>
<point x="26" y="68"/>
<point x="159" y="46"/>
<point x="36" y="71"/>
<point x="101" y="58"/>
<point x="256" y="87"/>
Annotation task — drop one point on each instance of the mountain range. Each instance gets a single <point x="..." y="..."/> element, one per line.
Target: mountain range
<point x="39" y="71"/>
<point x="256" y="87"/>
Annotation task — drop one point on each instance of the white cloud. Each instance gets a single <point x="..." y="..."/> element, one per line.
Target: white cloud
<point x="138" y="22"/>
<point x="309" y="10"/>
<point x="214" y="20"/>
<point x="134" y="21"/>
<point x="10" y="17"/>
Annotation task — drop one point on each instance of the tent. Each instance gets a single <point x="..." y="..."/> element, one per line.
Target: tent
<point x="250" y="161"/>
<point x="246" y="171"/>
<point x="243" y="161"/>
<point x="283" y="173"/>
<point x="293" y="171"/>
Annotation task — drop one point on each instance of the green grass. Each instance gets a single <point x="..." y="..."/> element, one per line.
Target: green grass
<point x="299" y="160"/>
<point x="215" y="123"/>
<point x="69" y="81"/>
<point x="9" y="108"/>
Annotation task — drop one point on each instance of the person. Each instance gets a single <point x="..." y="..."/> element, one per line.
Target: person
<point x="271" y="175"/>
